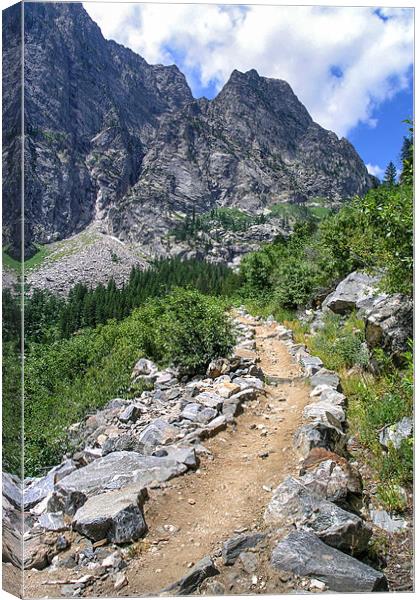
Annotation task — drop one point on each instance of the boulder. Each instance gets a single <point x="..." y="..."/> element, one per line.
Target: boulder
<point x="294" y="505"/>
<point x="322" y="411"/>
<point x="114" y="471"/>
<point x="227" y="389"/>
<point x="319" y="435"/>
<point x="304" y="554"/>
<point x="125" y="441"/>
<point x="198" y="413"/>
<point x="233" y="547"/>
<point x="353" y="292"/>
<point x="12" y="489"/>
<point x="393" y="435"/>
<point x="192" y="579"/>
<point x="389" y="324"/>
<point x="116" y="516"/>
<point x="333" y="397"/>
<point x="310" y="364"/>
<point x="158" y="433"/>
<point x="326" y="377"/>
<point x="215" y="426"/>
<point x="248" y="383"/>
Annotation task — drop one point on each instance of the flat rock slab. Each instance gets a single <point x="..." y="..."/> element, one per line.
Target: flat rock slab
<point x="192" y="579"/>
<point x="304" y="554"/>
<point x="115" y="471"/>
<point x="233" y="547"/>
<point x="116" y="516"/>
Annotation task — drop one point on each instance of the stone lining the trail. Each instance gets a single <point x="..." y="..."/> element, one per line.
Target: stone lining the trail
<point x="311" y="527"/>
<point x="123" y="449"/>
<point x="134" y="445"/>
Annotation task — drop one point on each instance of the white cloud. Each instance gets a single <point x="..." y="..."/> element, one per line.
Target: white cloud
<point x="375" y="170"/>
<point x="299" y="44"/>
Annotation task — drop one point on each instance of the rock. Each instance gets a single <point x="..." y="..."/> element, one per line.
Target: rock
<point x="40" y="488"/>
<point x="217" y="367"/>
<point x="130" y="414"/>
<point x="322" y="411"/>
<point x="311" y="364"/>
<point x="114" y="471"/>
<point x="329" y="475"/>
<point x="387" y="522"/>
<point x="181" y="454"/>
<point x="304" y="554"/>
<point x="125" y="441"/>
<point x="144" y="367"/>
<point x="351" y="293"/>
<point x="52" y="521"/>
<point x="120" y="582"/>
<point x="317" y="391"/>
<point x="249" y="562"/>
<point x="393" y="435"/>
<point x="245" y="383"/>
<point x="326" y="377"/>
<point x="227" y="389"/>
<point x="158" y="433"/>
<point x="389" y="324"/>
<point x="233" y="547"/>
<point x="293" y="505"/>
<point x="319" y="435"/>
<point x="193" y="578"/>
<point x="114" y="561"/>
<point x="209" y="399"/>
<point x="333" y="397"/>
<point x="12" y="489"/>
<point x="116" y="516"/>
<point x="62" y="543"/>
<point x="198" y="413"/>
<point x="215" y="426"/>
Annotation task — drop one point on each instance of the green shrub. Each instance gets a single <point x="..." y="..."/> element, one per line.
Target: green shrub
<point x="186" y="329"/>
<point x="294" y="283"/>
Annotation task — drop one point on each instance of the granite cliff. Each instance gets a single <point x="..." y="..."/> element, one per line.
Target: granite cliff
<point x="113" y="140"/>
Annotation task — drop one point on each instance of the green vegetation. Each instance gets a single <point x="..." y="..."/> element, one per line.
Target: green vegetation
<point x="30" y="263"/>
<point x="373" y="233"/>
<point x="67" y="378"/>
<point x="230" y="219"/>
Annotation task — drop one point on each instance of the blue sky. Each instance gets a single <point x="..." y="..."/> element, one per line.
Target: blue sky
<point x="350" y="66"/>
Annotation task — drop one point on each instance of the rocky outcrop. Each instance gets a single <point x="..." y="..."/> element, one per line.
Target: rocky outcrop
<point x="389" y="324"/>
<point x="388" y="317"/>
<point x="112" y="139"/>
<point x="354" y="292"/>
<point x="303" y="553"/>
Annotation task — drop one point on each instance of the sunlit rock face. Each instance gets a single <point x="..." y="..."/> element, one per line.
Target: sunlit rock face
<point x="110" y="138"/>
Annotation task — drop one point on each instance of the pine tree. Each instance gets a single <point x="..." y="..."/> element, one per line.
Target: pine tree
<point x="390" y="176"/>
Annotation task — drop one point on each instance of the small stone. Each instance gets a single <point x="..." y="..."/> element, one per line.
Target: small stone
<point x="120" y="582"/>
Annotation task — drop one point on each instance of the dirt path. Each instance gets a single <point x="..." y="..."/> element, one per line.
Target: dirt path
<point x="193" y="514"/>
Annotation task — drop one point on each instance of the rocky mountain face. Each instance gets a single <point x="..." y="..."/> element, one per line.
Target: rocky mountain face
<point x="112" y="139"/>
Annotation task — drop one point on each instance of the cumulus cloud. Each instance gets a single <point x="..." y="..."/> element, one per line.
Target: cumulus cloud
<point x="341" y="62"/>
<point x="375" y="170"/>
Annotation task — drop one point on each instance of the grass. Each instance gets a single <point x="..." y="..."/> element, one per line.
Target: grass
<point x="30" y="263"/>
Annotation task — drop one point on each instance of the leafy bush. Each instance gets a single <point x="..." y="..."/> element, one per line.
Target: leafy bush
<point x="294" y="283"/>
<point x="186" y="329"/>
